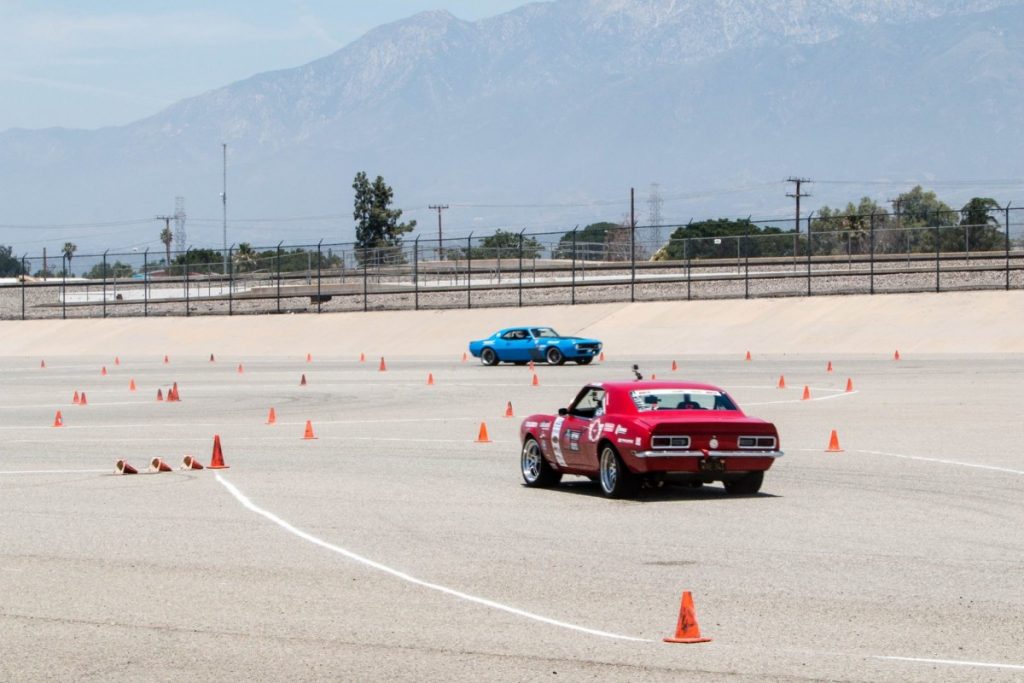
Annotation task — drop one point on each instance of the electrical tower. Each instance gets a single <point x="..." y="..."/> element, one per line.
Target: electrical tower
<point x="180" y="237"/>
<point x="797" y="195"/>
<point x="654" y="203"/>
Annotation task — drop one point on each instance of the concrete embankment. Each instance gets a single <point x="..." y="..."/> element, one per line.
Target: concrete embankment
<point x="949" y="323"/>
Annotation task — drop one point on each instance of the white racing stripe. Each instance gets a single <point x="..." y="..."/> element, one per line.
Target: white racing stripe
<point x="954" y="662"/>
<point x="412" y="579"/>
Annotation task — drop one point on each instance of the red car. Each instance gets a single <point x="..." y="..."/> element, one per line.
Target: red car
<point x="624" y="433"/>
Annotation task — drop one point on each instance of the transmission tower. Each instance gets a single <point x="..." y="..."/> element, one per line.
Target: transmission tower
<point x="180" y="238"/>
<point x="654" y="203"/>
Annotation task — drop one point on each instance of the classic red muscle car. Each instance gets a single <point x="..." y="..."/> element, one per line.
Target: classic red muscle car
<point x="623" y="433"/>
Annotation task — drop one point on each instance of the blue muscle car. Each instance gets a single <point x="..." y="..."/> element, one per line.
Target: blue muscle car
<point x="522" y="344"/>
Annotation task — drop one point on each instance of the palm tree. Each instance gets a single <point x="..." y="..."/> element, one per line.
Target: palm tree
<point x="166" y="236"/>
<point x="69" y="250"/>
<point x="245" y="257"/>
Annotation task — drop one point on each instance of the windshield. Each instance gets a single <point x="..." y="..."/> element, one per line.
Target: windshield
<point x="681" y="399"/>
<point x="544" y="333"/>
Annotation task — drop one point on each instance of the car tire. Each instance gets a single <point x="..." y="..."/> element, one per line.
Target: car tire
<point x="488" y="357"/>
<point x="584" y="361"/>
<point x="554" y="356"/>
<point x="537" y="472"/>
<point x="747" y="485"/>
<point x="615" y="478"/>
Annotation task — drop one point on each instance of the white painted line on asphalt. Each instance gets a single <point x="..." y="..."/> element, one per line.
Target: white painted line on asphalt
<point x="954" y="662"/>
<point x="241" y="498"/>
<point x="6" y="472"/>
<point x="810" y="400"/>
<point x="150" y="425"/>
<point x="944" y="462"/>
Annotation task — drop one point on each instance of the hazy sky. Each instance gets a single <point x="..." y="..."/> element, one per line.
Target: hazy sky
<point x="88" y="64"/>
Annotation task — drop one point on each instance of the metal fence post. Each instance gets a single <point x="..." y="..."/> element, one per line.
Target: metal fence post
<point x="689" y="266"/>
<point x="1008" y="246"/>
<point x="573" y="286"/>
<point x="938" y="250"/>
<point x="416" y="273"/>
<point x="746" y="265"/>
<point x="185" y="266"/>
<point x="810" y="249"/>
<point x="365" y="265"/>
<point x="521" y="267"/>
<point x="24" y="280"/>
<point x="64" y="289"/>
<point x="231" y="280"/>
<point x="319" y="249"/>
<point x="279" y="275"/>
<point x="871" y="254"/>
<point x="469" y="271"/>
<point x="145" y="283"/>
<point x="105" y="283"/>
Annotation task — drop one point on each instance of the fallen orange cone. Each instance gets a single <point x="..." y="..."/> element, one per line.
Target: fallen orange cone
<point x="687" y="628"/>
<point x="122" y="467"/>
<point x="782" y="381"/>
<point x="58" y="420"/>
<point x="849" y="385"/>
<point x="833" y="443"/>
<point x="483" y="437"/>
<point x="807" y="394"/>
<point x="217" y="459"/>
<point x="309" y="431"/>
<point x="271" y="417"/>
<point x="508" y="410"/>
<point x="190" y="463"/>
<point x="158" y="465"/>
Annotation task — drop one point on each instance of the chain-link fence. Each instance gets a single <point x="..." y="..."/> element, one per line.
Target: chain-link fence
<point x="837" y="255"/>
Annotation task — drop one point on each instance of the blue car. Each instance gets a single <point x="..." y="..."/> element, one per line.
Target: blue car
<point x="541" y="344"/>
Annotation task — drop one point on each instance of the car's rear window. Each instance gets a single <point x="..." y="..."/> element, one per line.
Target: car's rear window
<point x="681" y="399"/>
<point x="544" y="333"/>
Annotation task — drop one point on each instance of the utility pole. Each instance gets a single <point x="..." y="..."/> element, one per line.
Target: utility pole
<point x="797" y="195"/>
<point x="896" y="204"/>
<point x="440" y="243"/>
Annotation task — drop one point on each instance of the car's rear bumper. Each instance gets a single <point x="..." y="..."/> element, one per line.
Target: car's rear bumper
<point x="712" y="464"/>
<point x="709" y="454"/>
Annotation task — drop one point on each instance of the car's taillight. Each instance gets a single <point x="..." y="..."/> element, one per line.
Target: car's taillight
<point x="670" y="442"/>
<point x="756" y="442"/>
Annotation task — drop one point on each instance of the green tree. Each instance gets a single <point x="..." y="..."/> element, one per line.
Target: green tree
<point x="10" y="265"/>
<point x="847" y="231"/>
<point x="589" y="242"/>
<point x="718" y="239"/>
<point x="69" y="251"/>
<point x="981" y="230"/>
<point x="503" y="244"/>
<point x="166" y="236"/>
<point x="378" y="230"/>
<point x="201" y="260"/>
<point x="245" y="259"/>
<point x="113" y="270"/>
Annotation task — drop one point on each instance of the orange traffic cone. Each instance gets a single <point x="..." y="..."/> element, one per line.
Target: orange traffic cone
<point x="362" y="357"/>
<point x="482" y="437"/>
<point x="117" y="360"/>
<point x="833" y="443"/>
<point x="240" y="369"/>
<point x="217" y="460"/>
<point x="687" y="628"/>
<point x="159" y="394"/>
<point x="131" y="384"/>
<point x="302" y="382"/>
<point x="653" y="377"/>
<point x="190" y="463"/>
<point x="674" y="366"/>
<point x="849" y="385"/>
<point x="42" y="363"/>
<point x="212" y="359"/>
<point x="782" y="381"/>
<point x="530" y="366"/>
<point x="271" y="417"/>
<point x="158" y="465"/>
<point x="896" y="356"/>
<point x="383" y="366"/>
<point x="103" y="371"/>
<point x="748" y="356"/>
<point x="600" y="358"/>
<point x="83" y="401"/>
<point x="309" y="431"/>
<point x="430" y="379"/>
<point x="807" y="394"/>
<point x="166" y="360"/>
<point x="58" y="420"/>
<point x="76" y="400"/>
<point x="829" y="368"/>
<point x="536" y="382"/>
<point x="173" y="395"/>
<point x="508" y="410"/>
<point x="464" y="357"/>
<point x="309" y="358"/>
<point x="122" y="467"/>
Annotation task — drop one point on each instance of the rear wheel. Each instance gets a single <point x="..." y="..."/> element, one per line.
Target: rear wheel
<point x="616" y="480"/>
<point x="488" y="357"/>
<point x="537" y="472"/>
<point x="747" y="485"/>
<point x="553" y="356"/>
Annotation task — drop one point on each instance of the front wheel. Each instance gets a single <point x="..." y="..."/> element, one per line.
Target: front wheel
<point x="537" y="472"/>
<point x="616" y="480"/>
<point x="488" y="357"/>
<point x="553" y="356"/>
<point x="747" y="485"/>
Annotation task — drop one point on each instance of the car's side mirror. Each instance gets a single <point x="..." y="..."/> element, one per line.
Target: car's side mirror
<point x="563" y="411"/>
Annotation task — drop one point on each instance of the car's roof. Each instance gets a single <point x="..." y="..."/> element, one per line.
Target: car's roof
<point x="653" y="384"/>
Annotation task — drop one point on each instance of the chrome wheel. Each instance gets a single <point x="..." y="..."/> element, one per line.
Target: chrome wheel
<point x="554" y="356"/>
<point x="531" y="461"/>
<point x="609" y="470"/>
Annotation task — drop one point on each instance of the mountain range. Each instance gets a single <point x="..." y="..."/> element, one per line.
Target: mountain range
<point x="545" y="116"/>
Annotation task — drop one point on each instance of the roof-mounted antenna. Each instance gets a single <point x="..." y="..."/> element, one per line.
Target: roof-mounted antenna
<point x="636" y="371"/>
